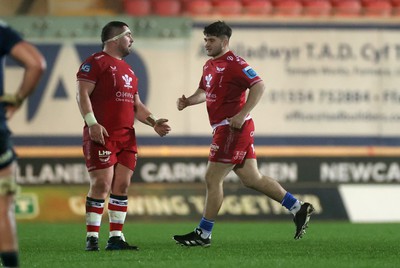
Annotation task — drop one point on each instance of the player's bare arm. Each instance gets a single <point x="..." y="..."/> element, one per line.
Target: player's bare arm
<point x="254" y="96"/>
<point x="198" y="96"/>
<point x="96" y="131"/>
<point x="34" y="65"/>
<point x="146" y="117"/>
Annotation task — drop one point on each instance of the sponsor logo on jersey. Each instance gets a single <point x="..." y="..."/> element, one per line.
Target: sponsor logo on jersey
<point x="128" y="80"/>
<point x="121" y="94"/>
<point x="104" y="156"/>
<point x="124" y="96"/>
<point x="230" y="58"/>
<point x="239" y="155"/>
<point x="220" y="70"/>
<point x="213" y="149"/>
<point x="249" y="72"/>
<point x="208" y="80"/>
<point x="86" y="67"/>
<point x="211" y="97"/>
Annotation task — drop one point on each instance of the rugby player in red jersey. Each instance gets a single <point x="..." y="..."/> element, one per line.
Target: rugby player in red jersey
<point x="108" y="99"/>
<point x="223" y="86"/>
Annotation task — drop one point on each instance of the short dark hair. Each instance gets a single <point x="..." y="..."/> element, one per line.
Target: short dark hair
<point x="218" y="28"/>
<point x="108" y="30"/>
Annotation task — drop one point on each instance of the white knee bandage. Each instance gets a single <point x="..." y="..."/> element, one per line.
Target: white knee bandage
<point x="8" y="186"/>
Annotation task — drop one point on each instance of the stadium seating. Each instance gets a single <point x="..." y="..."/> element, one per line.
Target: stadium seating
<point x="78" y="8"/>
<point x="166" y="7"/>
<point x="288" y="8"/>
<point x="227" y="7"/>
<point x="257" y="7"/>
<point x="379" y="8"/>
<point x="395" y="7"/>
<point x="347" y="8"/>
<point x="317" y="8"/>
<point x="137" y="7"/>
<point x="197" y="7"/>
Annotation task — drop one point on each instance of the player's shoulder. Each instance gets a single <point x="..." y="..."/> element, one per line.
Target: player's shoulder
<point x="239" y="60"/>
<point x="97" y="57"/>
<point x="234" y="60"/>
<point x="240" y="65"/>
<point x="90" y="63"/>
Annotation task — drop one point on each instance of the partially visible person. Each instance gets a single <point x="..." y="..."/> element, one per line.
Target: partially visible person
<point x="34" y="64"/>
<point x="108" y="99"/>
<point x="223" y="86"/>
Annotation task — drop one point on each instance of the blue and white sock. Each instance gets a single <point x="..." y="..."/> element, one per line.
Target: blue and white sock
<point x="291" y="203"/>
<point x="206" y="226"/>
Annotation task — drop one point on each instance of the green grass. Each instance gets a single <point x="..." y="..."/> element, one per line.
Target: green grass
<point x="250" y="244"/>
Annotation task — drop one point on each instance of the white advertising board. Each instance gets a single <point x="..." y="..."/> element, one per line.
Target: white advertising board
<point x="334" y="80"/>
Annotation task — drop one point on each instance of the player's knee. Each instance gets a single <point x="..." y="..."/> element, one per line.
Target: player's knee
<point x="8" y="186"/>
<point x="101" y="186"/>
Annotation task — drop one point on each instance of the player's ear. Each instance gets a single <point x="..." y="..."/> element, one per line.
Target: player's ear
<point x="225" y="41"/>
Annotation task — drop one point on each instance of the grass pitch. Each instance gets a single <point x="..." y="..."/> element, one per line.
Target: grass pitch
<point x="249" y="244"/>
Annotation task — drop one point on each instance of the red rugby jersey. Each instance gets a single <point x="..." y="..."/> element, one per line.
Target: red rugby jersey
<point x="225" y="80"/>
<point x="113" y="96"/>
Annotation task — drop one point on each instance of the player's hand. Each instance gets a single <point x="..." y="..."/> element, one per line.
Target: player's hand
<point x="236" y="122"/>
<point x="97" y="133"/>
<point x="182" y="103"/>
<point x="161" y="127"/>
<point x="12" y="103"/>
<point x="11" y="100"/>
